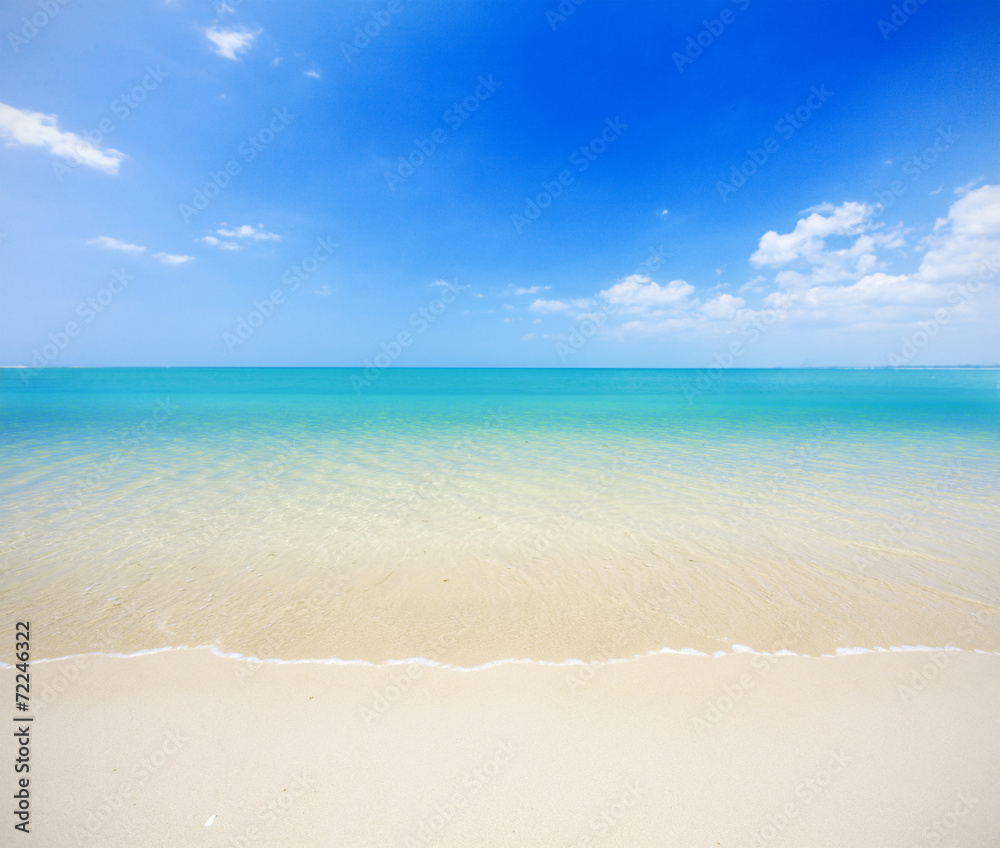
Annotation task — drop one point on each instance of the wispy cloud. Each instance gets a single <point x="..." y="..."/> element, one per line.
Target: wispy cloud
<point x="532" y="289"/>
<point x="245" y="231"/>
<point x="248" y="231"/>
<point x="212" y="241"/>
<point x="540" y="305"/>
<point x="172" y="258"/>
<point x="314" y="74"/>
<point x="230" y="43"/>
<point x="116" y="244"/>
<point x="19" y="127"/>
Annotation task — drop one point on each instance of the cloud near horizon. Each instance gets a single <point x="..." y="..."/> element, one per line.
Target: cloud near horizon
<point x="848" y="285"/>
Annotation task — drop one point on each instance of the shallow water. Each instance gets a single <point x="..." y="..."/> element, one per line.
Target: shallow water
<point x="470" y="515"/>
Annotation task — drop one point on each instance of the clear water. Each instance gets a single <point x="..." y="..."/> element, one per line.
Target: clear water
<point x="548" y="513"/>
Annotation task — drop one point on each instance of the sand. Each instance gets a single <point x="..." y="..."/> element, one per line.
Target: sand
<point x="185" y="748"/>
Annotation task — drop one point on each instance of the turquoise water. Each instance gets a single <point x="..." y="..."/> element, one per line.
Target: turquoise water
<point x="206" y="497"/>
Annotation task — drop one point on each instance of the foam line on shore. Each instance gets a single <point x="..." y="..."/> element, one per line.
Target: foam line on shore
<point x="570" y="661"/>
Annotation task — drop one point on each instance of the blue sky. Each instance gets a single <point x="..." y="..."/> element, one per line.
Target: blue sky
<point x="503" y="183"/>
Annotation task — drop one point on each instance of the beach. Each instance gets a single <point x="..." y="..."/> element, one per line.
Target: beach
<point x="506" y="608"/>
<point x="740" y="750"/>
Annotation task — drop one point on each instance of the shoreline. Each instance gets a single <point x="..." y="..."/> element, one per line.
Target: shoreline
<point x="736" y="650"/>
<point x="200" y="749"/>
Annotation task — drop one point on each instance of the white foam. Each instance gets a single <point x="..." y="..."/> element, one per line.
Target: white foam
<point x="570" y="661"/>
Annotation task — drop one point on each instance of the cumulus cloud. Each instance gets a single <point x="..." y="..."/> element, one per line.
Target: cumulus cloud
<point x="641" y="290"/>
<point x="834" y="269"/>
<point x="231" y="42"/>
<point x="21" y="128"/>
<point x="115" y="244"/>
<point x="809" y="236"/>
<point x="172" y="258"/>
<point x="962" y="245"/>
<point x="532" y="289"/>
<point x="723" y="306"/>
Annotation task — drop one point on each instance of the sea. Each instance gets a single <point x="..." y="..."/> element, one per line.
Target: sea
<point x="471" y="515"/>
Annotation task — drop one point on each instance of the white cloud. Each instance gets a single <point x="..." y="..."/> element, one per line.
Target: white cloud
<point x="314" y="74"/>
<point x="248" y="231"/>
<point x="962" y="245"/>
<point x="640" y="290"/>
<point x="723" y="306"/>
<point x="115" y="244"/>
<point x="230" y="43"/>
<point x="244" y="231"/>
<point x="540" y="305"/>
<point x="808" y="237"/>
<point x="19" y="127"/>
<point x="172" y="258"/>
<point x="969" y="186"/>
<point x="212" y="241"/>
<point x="532" y="290"/>
<point x="323" y="290"/>
<point x="751" y="285"/>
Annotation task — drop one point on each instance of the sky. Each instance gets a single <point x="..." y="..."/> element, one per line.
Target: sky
<point x="736" y="183"/>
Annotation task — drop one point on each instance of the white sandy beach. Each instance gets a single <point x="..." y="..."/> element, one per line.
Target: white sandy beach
<point x="875" y="749"/>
